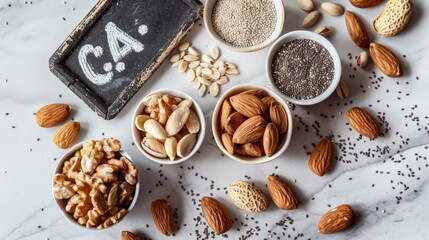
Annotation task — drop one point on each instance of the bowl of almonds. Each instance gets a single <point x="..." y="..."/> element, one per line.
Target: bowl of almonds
<point x="96" y="184"/>
<point x="168" y="126"/>
<point x="252" y="124"/>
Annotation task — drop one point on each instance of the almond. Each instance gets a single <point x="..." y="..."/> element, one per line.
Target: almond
<point x="247" y="196"/>
<point x="67" y="135"/>
<point x="227" y="143"/>
<point x="162" y="216"/>
<point x="171" y="147"/>
<point x="281" y="194"/>
<point x="270" y="139"/>
<point x="250" y="130"/>
<point x="247" y="104"/>
<point x="155" y="129"/>
<point x="52" y="114"/>
<point x="365" y="3"/>
<point x="357" y="30"/>
<point x="279" y="116"/>
<point x="256" y="92"/>
<point x="125" y="235"/>
<point x="193" y="123"/>
<point x="321" y="157"/>
<point x="362" y="122"/>
<point x="216" y="215"/>
<point x="394" y="17"/>
<point x="233" y="122"/>
<point x="332" y="9"/>
<point x="267" y="101"/>
<point x="336" y="219"/>
<point x="153" y="147"/>
<point x="225" y="111"/>
<point x="385" y="60"/>
<point x="186" y="144"/>
<point x="176" y="121"/>
<point x="249" y="149"/>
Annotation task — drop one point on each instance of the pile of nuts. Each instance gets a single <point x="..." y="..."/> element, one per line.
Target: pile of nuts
<point x="250" y="123"/>
<point x="97" y="184"/>
<point x="204" y="72"/>
<point x="169" y="126"/>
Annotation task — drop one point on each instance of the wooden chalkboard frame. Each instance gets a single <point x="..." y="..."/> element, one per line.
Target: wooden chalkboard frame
<point x="71" y="81"/>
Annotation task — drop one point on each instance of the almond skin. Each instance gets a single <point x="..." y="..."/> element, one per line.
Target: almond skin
<point x="281" y="194"/>
<point x="365" y="3"/>
<point x="362" y="122"/>
<point x="357" y="30"/>
<point x="125" y="235"/>
<point x="216" y="215"/>
<point x="270" y="139"/>
<point x="249" y="149"/>
<point x="336" y="219"/>
<point x="227" y="143"/>
<point x="321" y="158"/>
<point x="162" y="216"/>
<point x="250" y="130"/>
<point x="52" y="114"/>
<point x="67" y="135"/>
<point x="247" y="104"/>
<point x="279" y="117"/>
<point x="233" y="122"/>
<point x="225" y="111"/>
<point x="386" y="60"/>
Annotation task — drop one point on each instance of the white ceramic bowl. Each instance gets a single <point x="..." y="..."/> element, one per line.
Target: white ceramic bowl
<point x="315" y="37"/>
<point x="62" y="203"/>
<point x="284" y="139"/>
<point x="137" y="136"/>
<point x="280" y="12"/>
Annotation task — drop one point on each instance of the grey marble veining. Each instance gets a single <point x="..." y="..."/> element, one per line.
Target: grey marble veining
<point x="384" y="180"/>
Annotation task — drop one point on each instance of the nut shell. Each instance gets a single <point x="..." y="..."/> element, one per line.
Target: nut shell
<point x="394" y="17"/>
<point x="247" y="196"/>
<point x="216" y="215"/>
<point x="321" y="157"/>
<point x="336" y="219"/>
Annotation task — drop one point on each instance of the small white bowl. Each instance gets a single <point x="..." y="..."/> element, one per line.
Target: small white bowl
<point x="283" y="140"/>
<point x="280" y="13"/>
<point x="62" y="203"/>
<point x="317" y="38"/>
<point x="137" y="136"/>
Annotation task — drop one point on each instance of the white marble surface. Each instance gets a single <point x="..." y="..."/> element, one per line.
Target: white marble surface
<point x="388" y="188"/>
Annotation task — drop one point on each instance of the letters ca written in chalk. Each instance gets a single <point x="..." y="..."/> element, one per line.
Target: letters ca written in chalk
<point x="114" y="36"/>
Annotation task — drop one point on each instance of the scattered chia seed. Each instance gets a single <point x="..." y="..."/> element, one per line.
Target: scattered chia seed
<point x="302" y="69"/>
<point x="244" y="23"/>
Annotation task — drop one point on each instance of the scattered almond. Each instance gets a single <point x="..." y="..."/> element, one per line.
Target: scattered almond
<point x="357" y="30"/>
<point x="52" y="114"/>
<point x="365" y="3"/>
<point x="386" y="60"/>
<point x="67" y="135"/>
<point x="216" y="215"/>
<point x="125" y="235"/>
<point x="281" y="194"/>
<point x="336" y="219"/>
<point x="362" y="122"/>
<point x="162" y="216"/>
<point x="321" y="157"/>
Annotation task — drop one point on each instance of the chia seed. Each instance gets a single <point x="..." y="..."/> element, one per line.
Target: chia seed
<point x="302" y="69"/>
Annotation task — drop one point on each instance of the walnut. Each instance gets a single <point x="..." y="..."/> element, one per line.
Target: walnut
<point x="113" y="219"/>
<point x="92" y="153"/>
<point x="82" y="220"/>
<point x="62" y="189"/>
<point x="125" y="193"/>
<point x="110" y="147"/>
<point x="106" y="172"/>
<point x="120" y="164"/>
<point x="97" y="200"/>
<point x="131" y="173"/>
<point x="81" y="210"/>
<point x="73" y="202"/>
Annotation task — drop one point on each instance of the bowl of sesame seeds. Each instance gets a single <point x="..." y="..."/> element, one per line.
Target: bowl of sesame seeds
<point x="244" y="25"/>
<point x="303" y="67"/>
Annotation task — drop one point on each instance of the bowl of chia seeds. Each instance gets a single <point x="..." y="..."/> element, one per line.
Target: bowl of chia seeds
<point x="244" y="25"/>
<point x="303" y="67"/>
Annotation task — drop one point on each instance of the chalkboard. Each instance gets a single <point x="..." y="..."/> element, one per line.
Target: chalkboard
<point x="118" y="45"/>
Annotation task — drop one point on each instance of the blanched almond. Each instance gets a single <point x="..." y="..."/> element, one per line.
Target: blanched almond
<point x="176" y="121"/>
<point x="155" y="129"/>
<point x="186" y="144"/>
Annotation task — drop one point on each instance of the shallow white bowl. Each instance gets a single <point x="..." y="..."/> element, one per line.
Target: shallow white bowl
<point x="137" y="136"/>
<point x="284" y="139"/>
<point x="315" y="37"/>
<point x="280" y="12"/>
<point x="62" y="203"/>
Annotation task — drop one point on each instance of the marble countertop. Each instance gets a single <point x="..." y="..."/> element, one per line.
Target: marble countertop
<point x="385" y="180"/>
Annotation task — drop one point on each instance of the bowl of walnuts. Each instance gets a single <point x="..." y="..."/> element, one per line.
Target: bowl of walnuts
<point x="96" y="184"/>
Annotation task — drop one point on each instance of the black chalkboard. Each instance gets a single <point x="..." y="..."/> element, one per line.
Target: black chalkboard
<point x="115" y="49"/>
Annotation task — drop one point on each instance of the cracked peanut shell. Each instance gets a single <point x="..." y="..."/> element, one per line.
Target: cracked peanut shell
<point x="247" y="196"/>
